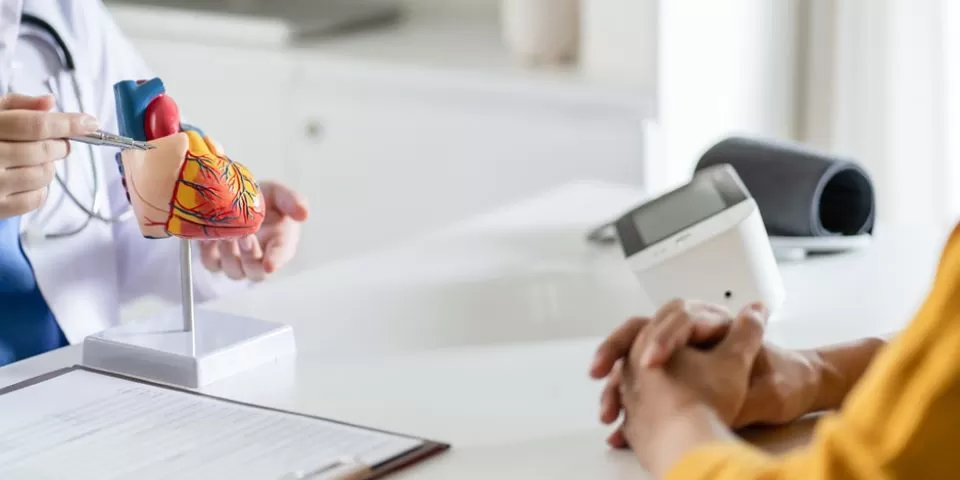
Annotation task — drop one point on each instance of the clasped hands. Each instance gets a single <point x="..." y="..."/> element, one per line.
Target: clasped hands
<point x="698" y="362"/>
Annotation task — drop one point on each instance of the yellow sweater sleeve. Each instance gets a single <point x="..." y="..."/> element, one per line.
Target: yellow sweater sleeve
<point x="901" y="421"/>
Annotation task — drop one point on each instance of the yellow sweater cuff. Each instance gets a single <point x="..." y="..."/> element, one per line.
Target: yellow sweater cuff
<point x="721" y="461"/>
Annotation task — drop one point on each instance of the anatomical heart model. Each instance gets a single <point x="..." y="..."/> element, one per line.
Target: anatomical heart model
<point x="185" y="187"/>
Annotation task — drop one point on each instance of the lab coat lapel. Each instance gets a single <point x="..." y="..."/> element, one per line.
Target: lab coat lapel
<point x="10" y="12"/>
<point x="76" y="274"/>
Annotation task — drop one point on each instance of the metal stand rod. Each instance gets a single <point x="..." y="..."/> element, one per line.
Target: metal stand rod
<point x="186" y="284"/>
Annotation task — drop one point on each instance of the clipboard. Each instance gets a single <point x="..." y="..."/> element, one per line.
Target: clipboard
<point x="426" y="449"/>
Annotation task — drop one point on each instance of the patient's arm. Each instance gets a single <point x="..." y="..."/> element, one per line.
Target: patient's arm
<point x="900" y="422"/>
<point x="840" y="368"/>
<point x="786" y="385"/>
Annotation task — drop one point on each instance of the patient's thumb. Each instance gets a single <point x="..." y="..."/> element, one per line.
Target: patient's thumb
<point x="746" y="332"/>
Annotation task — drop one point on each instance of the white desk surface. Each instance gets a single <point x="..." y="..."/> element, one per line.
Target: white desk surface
<point x="481" y="334"/>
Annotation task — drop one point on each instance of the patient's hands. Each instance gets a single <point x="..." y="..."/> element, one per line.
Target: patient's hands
<point x="689" y="400"/>
<point x="783" y="384"/>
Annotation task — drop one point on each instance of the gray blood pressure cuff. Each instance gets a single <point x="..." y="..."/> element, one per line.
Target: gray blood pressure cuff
<point x="800" y="192"/>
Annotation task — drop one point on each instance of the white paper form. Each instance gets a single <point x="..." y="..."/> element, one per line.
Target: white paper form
<point x="82" y="425"/>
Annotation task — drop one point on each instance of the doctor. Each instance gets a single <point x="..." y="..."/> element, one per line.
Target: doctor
<point x="70" y="253"/>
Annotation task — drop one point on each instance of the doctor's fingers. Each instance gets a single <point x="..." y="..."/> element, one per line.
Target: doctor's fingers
<point x="21" y="203"/>
<point x="210" y="255"/>
<point x="17" y="101"/>
<point x="230" y="260"/>
<point x="237" y="259"/>
<point x="31" y="125"/>
<point x="251" y="258"/>
<point x="22" y="154"/>
<point x="25" y="179"/>
<point x="280" y="248"/>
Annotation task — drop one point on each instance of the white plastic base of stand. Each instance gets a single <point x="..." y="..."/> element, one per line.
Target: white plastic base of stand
<point x="158" y="349"/>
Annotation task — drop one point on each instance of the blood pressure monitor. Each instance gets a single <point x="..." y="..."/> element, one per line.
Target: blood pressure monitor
<point x="703" y="241"/>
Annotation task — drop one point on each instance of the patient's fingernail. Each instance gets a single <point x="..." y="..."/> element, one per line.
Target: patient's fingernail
<point x="758" y="307"/>
<point x="246" y="244"/>
<point x="596" y="362"/>
<point x="648" y="356"/>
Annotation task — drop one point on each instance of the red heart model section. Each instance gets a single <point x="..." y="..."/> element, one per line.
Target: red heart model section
<point x="214" y="197"/>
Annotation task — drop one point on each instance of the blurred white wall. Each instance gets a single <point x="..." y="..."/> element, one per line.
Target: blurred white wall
<point x="879" y="84"/>
<point x="874" y="80"/>
<point x="726" y="67"/>
<point x="950" y="56"/>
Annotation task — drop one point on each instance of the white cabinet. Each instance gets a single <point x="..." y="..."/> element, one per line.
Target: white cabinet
<point x="235" y="94"/>
<point x="383" y="157"/>
<point x="384" y="153"/>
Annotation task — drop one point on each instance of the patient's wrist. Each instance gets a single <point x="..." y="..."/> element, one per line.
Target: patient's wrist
<point x="839" y="368"/>
<point x="677" y="435"/>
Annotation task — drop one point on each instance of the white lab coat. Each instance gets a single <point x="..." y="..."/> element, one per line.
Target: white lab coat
<point x="86" y="278"/>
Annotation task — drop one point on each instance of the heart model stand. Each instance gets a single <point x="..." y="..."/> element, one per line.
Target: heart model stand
<point x="188" y="348"/>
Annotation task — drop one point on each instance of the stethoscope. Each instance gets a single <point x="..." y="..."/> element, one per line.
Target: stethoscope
<point x="36" y="229"/>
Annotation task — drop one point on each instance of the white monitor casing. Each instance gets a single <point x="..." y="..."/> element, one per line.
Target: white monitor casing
<point x="726" y="259"/>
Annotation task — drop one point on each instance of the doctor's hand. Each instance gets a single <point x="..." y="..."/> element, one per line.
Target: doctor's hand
<point x="31" y="139"/>
<point x="254" y="257"/>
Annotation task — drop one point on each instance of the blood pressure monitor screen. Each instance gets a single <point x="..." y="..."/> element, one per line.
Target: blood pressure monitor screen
<point x="678" y="210"/>
<point x="705" y="196"/>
